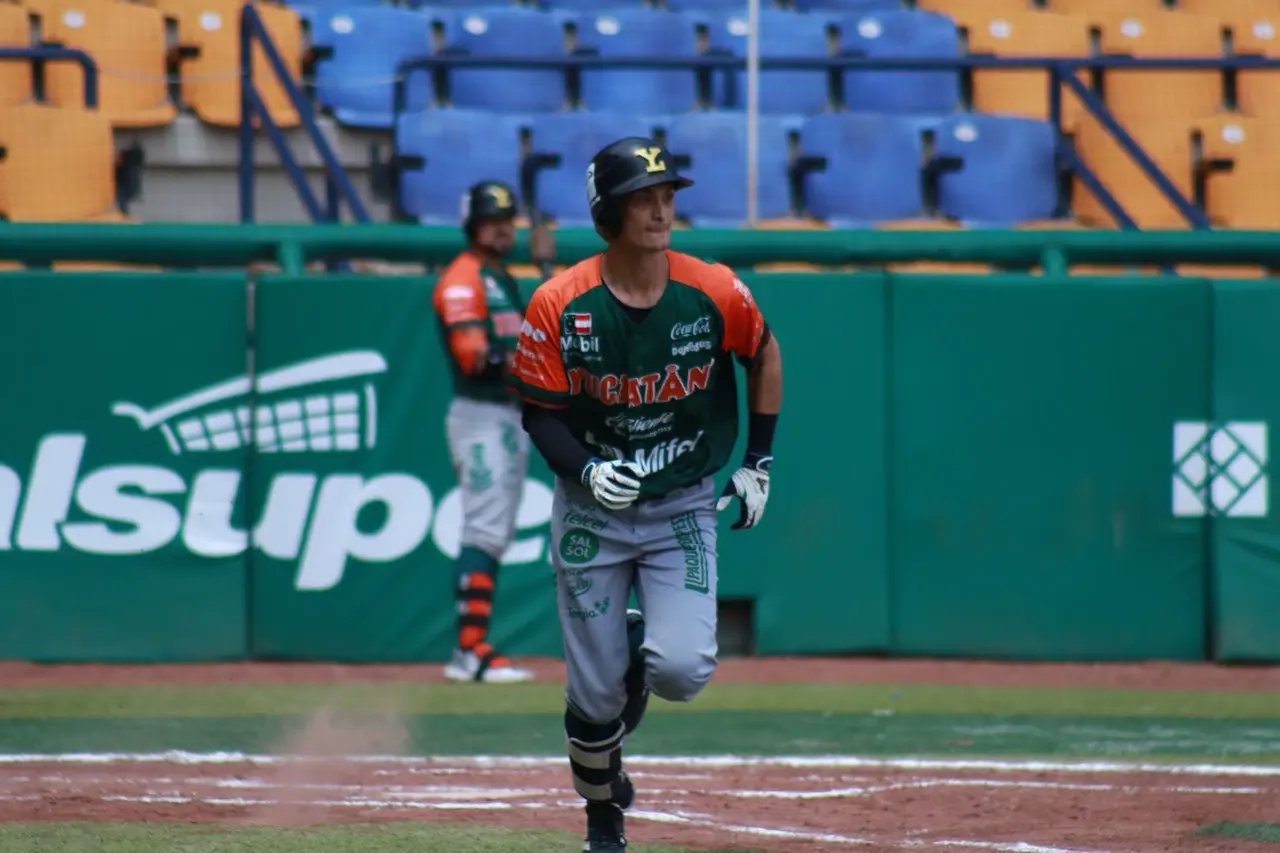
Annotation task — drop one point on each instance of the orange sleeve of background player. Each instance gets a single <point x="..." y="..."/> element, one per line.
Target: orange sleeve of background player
<point x="539" y="373"/>
<point x="745" y="330"/>
<point x="460" y="302"/>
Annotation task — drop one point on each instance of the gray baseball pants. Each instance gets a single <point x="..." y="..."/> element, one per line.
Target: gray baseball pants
<point x="490" y="452"/>
<point x="666" y="550"/>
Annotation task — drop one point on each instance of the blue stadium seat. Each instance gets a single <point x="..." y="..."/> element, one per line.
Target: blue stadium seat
<point x="461" y="147"/>
<point x="576" y="137"/>
<point x="507" y="31"/>
<point x="903" y="34"/>
<point x="717" y="147"/>
<point x="311" y="11"/>
<point x="590" y="5"/>
<point x="368" y="42"/>
<point x="719" y="7"/>
<point x="873" y="169"/>
<point x="782" y="34"/>
<point x="847" y="6"/>
<point x="1009" y="172"/>
<point x="644" y="33"/>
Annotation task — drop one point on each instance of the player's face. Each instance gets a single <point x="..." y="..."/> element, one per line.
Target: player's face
<point x="648" y="218"/>
<point x="497" y="235"/>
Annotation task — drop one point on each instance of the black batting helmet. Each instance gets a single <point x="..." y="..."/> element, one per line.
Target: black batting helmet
<point x="623" y="167"/>
<point x="486" y="200"/>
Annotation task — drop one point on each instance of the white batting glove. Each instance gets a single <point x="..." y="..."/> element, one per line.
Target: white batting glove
<point x="615" y="484"/>
<point x="750" y="484"/>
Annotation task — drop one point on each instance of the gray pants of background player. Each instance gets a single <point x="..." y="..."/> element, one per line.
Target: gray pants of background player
<point x="666" y="548"/>
<point x="490" y="452"/>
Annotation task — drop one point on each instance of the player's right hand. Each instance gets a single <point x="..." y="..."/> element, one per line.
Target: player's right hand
<point x="615" y="484"/>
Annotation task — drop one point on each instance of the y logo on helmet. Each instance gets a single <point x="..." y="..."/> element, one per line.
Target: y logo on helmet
<point x="650" y="157"/>
<point x="322" y="405"/>
<point x="501" y="198"/>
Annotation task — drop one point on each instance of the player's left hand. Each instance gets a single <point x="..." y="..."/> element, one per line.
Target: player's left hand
<point x="750" y="484"/>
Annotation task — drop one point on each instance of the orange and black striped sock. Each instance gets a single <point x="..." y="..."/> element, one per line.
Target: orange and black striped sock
<point x="477" y="575"/>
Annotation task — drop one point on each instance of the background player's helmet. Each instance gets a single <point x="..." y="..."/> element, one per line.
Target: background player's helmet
<point x="623" y="167"/>
<point x="486" y="200"/>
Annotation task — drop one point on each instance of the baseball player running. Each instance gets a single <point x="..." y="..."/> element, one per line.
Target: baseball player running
<point x="480" y="311"/>
<point x="625" y="363"/>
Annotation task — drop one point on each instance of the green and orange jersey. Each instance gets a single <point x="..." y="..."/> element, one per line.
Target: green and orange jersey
<point x="477" y="307"/>
<point x="660" y="391"/>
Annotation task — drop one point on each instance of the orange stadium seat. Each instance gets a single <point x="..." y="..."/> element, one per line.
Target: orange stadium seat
<point x="971" y="13"/>
<point x="127" y="41"/>
<point x="930" y="267"/>
<point x="1098" y="9"/>
<point x="59" y="165"/>
<point x="1026" y="93"/>
<point x="1255" y="31"/>
<point x="1250" y="145"/>
<point x="15" y="77"/>
<point x="1167" y="143"/>
<point x="1136" y="95"/>
<point x="211" y="80"/>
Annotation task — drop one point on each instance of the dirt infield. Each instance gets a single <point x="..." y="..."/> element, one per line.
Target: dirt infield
<point x="784" y="806"/>
<point x="1137" y="676"/>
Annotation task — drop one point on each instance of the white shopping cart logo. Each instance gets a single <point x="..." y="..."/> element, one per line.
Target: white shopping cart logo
<point x="326" y="405"/>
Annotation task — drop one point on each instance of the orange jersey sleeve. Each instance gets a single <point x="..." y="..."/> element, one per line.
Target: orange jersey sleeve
<point x="538" y="372"/>
<point x="744" y="325"/>
<point x="460" y="302"/>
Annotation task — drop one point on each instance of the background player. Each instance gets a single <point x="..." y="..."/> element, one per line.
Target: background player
<point x="479" y="309"/>
<point x="626" y="364"/>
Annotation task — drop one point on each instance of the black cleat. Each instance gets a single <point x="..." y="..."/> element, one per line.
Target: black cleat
<point x="637" y="690"/>
<point x="606" y="832"/>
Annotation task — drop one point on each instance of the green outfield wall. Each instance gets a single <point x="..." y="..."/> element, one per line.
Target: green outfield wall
<point x="214" y="466"/>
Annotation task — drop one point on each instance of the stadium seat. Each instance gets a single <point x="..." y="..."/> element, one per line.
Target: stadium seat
<point x="639" y="33"/>
<point x="718" y="7"/>
<point x="460" y="147"/>
<point x="782" y="33"/>
<point x="717" y="147"/>
<point x="59" y="165"/>
<point x="972" y="13"/>
<point x="846" y="7"/>
<point x="506" y="31"/>
<point x="1233" y="198"/>
<point x="127" y="42"/>
<point x="931" y="267"/>
<point x="901" y="34"/>
<point x="873" y="168"/>
<point x="1255" y="31"/>
<point x="1167" y="143"/>
<point x="1026" y="93"/>
<point x="1008" y="172"/>
<point x="1139" y="94"/>
<point x="15" y="77"/>
<point x="576" y="137"/>
<point x="211" y="81"/>
<point x="367" y="43"/>
<point x="1101" y="9"/>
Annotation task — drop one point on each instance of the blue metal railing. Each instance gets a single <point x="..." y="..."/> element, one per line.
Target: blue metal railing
<point x="338" y="186"/>
<point x="1061" y="72"/>
<point x="61" y="54"/>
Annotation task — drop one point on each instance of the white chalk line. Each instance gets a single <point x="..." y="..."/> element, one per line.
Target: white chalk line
<point x="698" y="761"/>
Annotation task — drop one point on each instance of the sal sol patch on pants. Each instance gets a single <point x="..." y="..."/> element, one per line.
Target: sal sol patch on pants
<point x="579" y="546"/>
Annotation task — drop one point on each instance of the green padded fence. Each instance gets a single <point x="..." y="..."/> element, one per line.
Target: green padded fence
<point x="199" y="466"/>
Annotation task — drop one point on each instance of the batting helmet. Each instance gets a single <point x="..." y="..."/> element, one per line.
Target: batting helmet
<point x="623" y="167"/>
<point x="486" y="200"/>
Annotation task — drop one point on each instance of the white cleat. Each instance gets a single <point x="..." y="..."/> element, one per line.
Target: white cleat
<point x="487" y="668"/>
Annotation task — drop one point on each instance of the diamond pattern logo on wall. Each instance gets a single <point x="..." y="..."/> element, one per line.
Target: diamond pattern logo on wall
<point x="1220" y="469"/>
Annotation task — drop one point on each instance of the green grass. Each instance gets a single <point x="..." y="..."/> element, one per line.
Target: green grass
<point x="272" y="700"/>
<point x="1266" y="833"/>
<point x="350" y="838"/>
